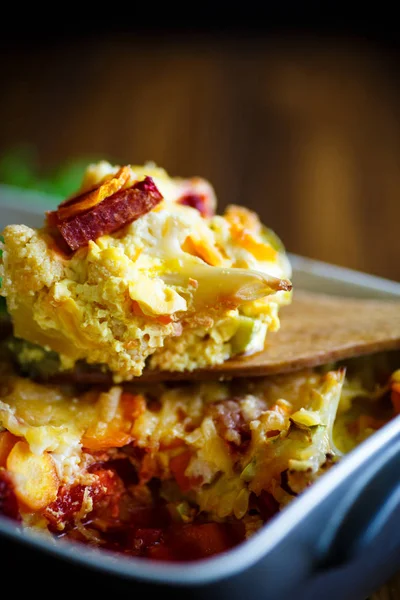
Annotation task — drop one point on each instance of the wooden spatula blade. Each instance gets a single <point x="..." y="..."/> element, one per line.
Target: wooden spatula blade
<point x="315" y="329"/>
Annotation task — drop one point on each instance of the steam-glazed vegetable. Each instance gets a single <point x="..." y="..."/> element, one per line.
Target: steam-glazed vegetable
<point x="137" y="269"/>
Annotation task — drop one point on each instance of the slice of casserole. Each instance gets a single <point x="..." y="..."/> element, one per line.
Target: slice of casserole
<point x="137" y="269"/>
<point x="177" y="472"/>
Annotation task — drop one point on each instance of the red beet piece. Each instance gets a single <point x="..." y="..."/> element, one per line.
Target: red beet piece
<point x="198" y="201"/>
<point x="8" y="500"/>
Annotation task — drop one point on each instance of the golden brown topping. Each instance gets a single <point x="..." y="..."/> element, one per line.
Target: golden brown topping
<point x="83" y="202"/>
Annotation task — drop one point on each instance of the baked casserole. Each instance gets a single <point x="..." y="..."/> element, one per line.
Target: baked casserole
<point x="137" y="271"/>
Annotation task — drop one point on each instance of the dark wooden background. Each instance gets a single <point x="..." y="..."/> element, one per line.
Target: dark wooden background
<point x="303" y="127"/>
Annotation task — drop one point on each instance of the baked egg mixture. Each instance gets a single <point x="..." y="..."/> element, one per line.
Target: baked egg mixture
<point x="179" y="472"/>
<point x="137" y="270"/>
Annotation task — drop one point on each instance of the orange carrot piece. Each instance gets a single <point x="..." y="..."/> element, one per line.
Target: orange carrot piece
<point x="133" y="405"/>
<point x="7" y="442"/>
<point x="110" y="439"/>
<point x="178" y="465"/>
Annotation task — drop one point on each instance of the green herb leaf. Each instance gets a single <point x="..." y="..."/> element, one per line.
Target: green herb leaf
<point x="20" y="167"/>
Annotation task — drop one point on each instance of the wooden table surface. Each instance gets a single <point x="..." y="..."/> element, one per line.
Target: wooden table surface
<point x="306" y="132"/>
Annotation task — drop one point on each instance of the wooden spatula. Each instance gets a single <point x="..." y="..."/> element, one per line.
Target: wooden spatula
<point x="315" y="329"/>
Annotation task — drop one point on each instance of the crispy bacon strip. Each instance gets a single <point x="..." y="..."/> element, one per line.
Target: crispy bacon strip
<point x="110" y="214"/>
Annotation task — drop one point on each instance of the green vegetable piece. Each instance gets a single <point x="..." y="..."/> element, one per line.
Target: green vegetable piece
<point x="306" y="418"/>
<point x="249" y="471"/>
<point x="249" y="337"/>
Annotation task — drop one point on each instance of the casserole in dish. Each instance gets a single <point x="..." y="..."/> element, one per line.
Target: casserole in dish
<point x="326" y="553"/>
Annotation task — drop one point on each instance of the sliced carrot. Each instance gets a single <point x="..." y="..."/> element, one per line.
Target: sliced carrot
<point x="34" y="476"/>
<point x="204" y="250"/>
<point x="7" y="442"/>
<point x="115" y="434"/>
<point x="111" y="438"/>
<point x="242" y="218"/>
<point x="259" y="250"/>
<point x="244" y="224"/>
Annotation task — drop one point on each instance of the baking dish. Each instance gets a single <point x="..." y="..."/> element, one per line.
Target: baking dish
<point x="340" y="539"/>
